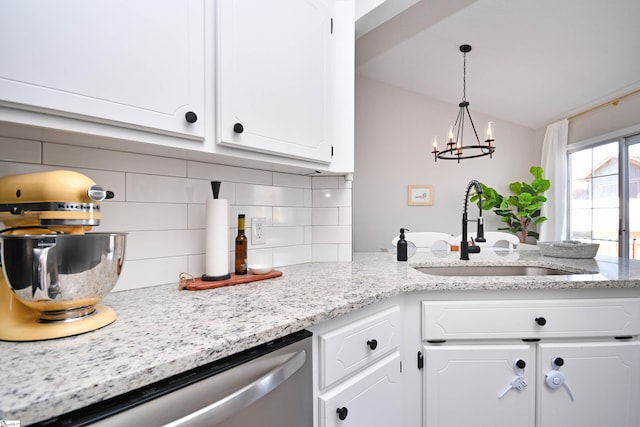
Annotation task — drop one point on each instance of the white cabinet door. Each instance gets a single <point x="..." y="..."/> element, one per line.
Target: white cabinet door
<point x="132" y="64"/>
<point x="470" y="385"/>
<point x="371" y="398"/>
<point x="597" y="384"/>
<point x="275" y="65"/>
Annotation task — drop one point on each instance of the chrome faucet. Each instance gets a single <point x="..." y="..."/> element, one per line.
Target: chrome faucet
<point x="465" y="249"/>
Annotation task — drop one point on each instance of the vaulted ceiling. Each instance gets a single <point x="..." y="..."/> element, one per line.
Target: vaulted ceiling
<point x="533" y="61"/>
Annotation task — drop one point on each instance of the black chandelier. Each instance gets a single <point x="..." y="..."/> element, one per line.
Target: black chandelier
<point x="454" y="149"/>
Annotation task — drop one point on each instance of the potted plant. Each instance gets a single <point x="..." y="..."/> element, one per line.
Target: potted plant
<point x="520" y="210"/>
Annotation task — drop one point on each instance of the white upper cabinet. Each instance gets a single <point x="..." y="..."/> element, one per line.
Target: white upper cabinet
<point x="130" y="64"/>
<point x="276" y="77"/>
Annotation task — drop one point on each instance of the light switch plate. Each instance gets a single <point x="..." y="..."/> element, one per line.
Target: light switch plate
<point x="258" y="228"/>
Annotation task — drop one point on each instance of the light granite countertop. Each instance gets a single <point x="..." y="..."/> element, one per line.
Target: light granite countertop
<point x="162" y="331"/>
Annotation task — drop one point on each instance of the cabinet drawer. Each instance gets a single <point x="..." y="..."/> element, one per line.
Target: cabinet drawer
<point x="371" y="398"/>
<point x="349" y="348"/>
<point x="448" y="320"/>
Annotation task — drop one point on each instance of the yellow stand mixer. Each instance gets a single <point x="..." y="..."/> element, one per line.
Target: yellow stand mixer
<point x="54" y="273"/>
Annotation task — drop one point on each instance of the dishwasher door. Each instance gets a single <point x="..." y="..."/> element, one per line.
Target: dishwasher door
<point x="267" y="386"/>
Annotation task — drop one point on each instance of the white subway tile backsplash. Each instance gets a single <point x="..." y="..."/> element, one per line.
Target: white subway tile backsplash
<point x="154" y="188"/>
<point x="160" y="203"/>
<point x="308" y="198"/>
<point x="331" y="197"/>
<point x="260" y="256"/>
<point x="284" y="236"/>
<point x="345" y="252"/>
<point x="324" y="253"/>
<point x="331" y="234"/>
<point x="265" y="212"/>
<point x="326" y="182"/>
<point x="308" y="235"/>
<point x="166" y="243"/>
<point x="95" y="158"/>
<point x="289" y="180"/>
<point x="286" y="217"/>
<point x="20" y="150"/>
<point x="121" y="216"/>
<point x="345" y="215"/>
<point x="325" y="216"/>
<point x="215" y="172"/>
<point x="290" y="255"/>
<point x="247" y="194"/>
<point x="151" y="272"/>
<point x="8" y="168"/>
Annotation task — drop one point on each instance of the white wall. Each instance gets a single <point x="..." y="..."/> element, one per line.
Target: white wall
<point x="394" y="136"/>
<point x="605" y="120"/>
<point x="160" y="202"/>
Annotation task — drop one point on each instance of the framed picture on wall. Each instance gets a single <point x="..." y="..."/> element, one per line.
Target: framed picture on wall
<point x="420" y="195"/>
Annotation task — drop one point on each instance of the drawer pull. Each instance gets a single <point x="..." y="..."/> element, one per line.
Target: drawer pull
<point x="541" y="321"/>
<point x="342" y="413"/>
<point x="373" y="344"/>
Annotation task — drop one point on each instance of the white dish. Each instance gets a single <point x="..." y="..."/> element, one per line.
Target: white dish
<point x="260" y="268"/>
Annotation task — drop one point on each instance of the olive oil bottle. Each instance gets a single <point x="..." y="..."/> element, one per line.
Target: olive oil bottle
<point x="241" y="247"/>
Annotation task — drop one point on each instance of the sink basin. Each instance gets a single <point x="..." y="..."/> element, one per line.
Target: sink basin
<point x="492" y="270"/>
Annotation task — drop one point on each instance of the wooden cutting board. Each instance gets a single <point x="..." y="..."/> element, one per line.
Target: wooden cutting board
<point x="197" y="284"/>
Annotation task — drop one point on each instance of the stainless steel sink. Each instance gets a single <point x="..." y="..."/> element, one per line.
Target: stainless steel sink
<point x="492" y="270"/>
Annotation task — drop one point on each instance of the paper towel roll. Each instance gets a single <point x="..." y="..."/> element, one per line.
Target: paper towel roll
<point x="217" y="240"/>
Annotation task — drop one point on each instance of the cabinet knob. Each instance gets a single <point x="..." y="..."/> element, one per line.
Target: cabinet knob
<point x="521" y="364"/>
<point x="342" y="413"/>
<point x="541" y="321"/>
<point x="558" y="361"/>
<point x="191" y="117"/>
<point x="238" y="128"/>
<point x="373" y="344"/>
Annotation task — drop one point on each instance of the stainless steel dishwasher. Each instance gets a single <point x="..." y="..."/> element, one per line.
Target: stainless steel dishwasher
<point x="267" y="386"/>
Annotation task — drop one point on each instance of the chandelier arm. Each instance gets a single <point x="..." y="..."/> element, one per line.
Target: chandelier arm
<point x="472" y="124"/>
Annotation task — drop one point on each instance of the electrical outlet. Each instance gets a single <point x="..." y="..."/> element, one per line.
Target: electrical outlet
<point x="258" y="228"/>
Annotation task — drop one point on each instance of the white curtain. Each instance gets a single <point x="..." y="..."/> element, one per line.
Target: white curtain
<point x="554" y="165"/>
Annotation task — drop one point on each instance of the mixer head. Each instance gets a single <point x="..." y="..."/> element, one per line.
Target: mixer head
<point x="61" y="200"/>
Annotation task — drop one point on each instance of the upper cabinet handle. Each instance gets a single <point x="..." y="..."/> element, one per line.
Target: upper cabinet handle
<point x="238" y="128"/>
<point x="191" y="117"/>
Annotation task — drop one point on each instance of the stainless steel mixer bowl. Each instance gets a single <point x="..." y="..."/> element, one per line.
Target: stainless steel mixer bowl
<point x="62" y="275"/>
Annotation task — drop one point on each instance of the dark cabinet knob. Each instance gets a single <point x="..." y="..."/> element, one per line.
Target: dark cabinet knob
<point x="191" y="117"/>
<point x="558" y="361"/>
<point x="238" y="128"/>
<point x="521" y="364"/>
<point x="541" y="321"/>
<point x="342" y="413"/>
<point x="373" y="344"/>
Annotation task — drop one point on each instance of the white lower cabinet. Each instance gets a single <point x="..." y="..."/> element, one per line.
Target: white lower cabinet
<point x="371" y="398"/>
<point x="597" y="385"/>
<point x="358" y="381"/>
<point x="463" y="385"/>
<point x="567" y="370"/>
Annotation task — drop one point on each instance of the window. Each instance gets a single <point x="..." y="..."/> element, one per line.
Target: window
<point x="604" y="196"/>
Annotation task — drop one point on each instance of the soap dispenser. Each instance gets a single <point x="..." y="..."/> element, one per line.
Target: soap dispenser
<point x="402" y="247"/>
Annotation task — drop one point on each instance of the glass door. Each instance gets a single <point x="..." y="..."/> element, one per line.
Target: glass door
<point x="604" y="196"/>
<point x="594" y="201"/>
<point x="634" y="198"/>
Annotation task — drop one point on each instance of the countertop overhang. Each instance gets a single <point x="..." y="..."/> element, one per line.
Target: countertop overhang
<point x="162" y="331"/>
